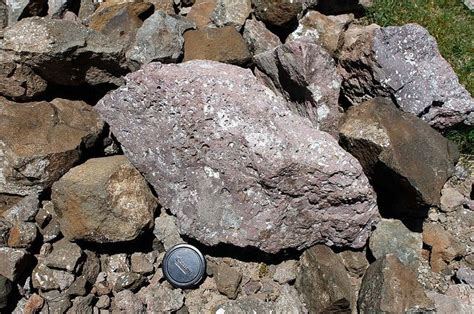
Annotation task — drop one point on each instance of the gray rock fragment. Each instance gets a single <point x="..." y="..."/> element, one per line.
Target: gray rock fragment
<point x="160" y="38"/>
<point x="404" y="62"/>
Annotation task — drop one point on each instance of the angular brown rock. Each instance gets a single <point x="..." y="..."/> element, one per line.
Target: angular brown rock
<point x="391" y="287"/>
<point x="237" y="166"/>
<point x="103" y="200"/>
<point x="277" y="12"/>
<point x="41" y="141"/>
<point x="218" y="44"/>
<point x="407" y="160"/>
<point x="323" y="281"/>
<point x="258" y="38"/>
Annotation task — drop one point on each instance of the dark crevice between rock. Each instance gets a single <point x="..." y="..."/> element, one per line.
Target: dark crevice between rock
<point x="87" y="93"/>
<point x="146" y="14"/>
<point x="283" y="31"/>
<point x="35" y="8"/>
<point x="245" y="254"/>
<point x="143" y="243"/>
<point x="16" y="295"/>
<point x="396" y="198"/>
<point x="331" y="7"/>
<point x="427" y="109"/>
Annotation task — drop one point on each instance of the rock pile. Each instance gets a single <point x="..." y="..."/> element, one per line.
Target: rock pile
<point x="297" y="148"/>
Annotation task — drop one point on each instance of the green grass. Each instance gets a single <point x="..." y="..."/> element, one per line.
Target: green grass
<point x="449" y="21"/>
<point x="463" y="136"/>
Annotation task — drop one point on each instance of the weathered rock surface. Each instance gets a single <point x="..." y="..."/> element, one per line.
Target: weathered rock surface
<point x="19" y="9"/>
<point x="407" y="161"/>
<point x="3" y="15"/>
<point x="392" y="237"/>
<point x="161" y="298"/>
<point x="228" y="280"/>
<point x="65" y="255"/>
<point x="356" y="262"/>
<point x="120" y="22"/>
<point x="258" y="38"/>
<point x="64" y="52"/>
<point x="444" y="248"/>
<point x="405" y="64"/>
<point x="277" y="12"/>
<point x="4" y="232"/>
<point x="326" y="30"/>
<point x="41" y="141"/>
<point x="103" y="200"/>
<point x="5" y="290"/>
<point x="166" y="231"/>
<point x="458" y="299"/>
<point x="22" y="235"/>
<point x="46" y="278"/>
<point x="379" y="293"/>
<point x="201" y="13"/>
<point x="13" y="262"/>
<point x="24" y="210"/>
<point x="231" y="13"/>
<point x="323" y="282"/>
<point x="306" y="75"/>
<point x="57" y="8"/>
<point x="160" y="38"/>
<point x="218" y="44"/>
<point x="244" y="171"/>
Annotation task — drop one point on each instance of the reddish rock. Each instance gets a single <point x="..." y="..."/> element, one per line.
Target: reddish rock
<point x="309" y="190"/>
<point x="403" y="63"/>
<point x="306" y="75"/>
<point x="444" y="248"/>
<point x="217" y="44"/>
<point x="201" y="13"/>
<point x="258" y="38"/>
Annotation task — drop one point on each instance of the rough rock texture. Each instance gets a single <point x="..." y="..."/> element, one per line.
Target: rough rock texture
<point x="19" y="81"/>
<point x="19" y="9"/>
<point x="406" y="159"/>
<point x="57" y="8"/>
<point x="3" y="15"/>
<point x="160" y="38"/>
<point x="103" y="200"/>
<point x="458" y="299"/>
<point x="258" y="38"/>
<point x="22" y="235"/>
<point x="392" y="237"/>
<point x="307" y="188"/>
<point x="5" y="290"/>
<point x="161" y="298"/>
<point x="228" y="280"/>
<point x="306" y="75"/>
<point x="389" y="286"/>
<point x="120" y="22"/>
<point x="356" y="262"/>
<point x="326" y="30"/>
<point x="65" y="255"/>
<point x="24" y="210"/>
<point x="166" y="231"/>
<point x="58" y="50"/>
<point x="231" y="13"/>
<point x="444" y="248"/>
<point x="13" y="262"/>
<point x="405" y="64"/>
<point x="218" y="44"/>
<point x="201" y="12"/>
<point x="35" y="149"/>
<point x="323" y="282"/>
<point x="277" y="12"/>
